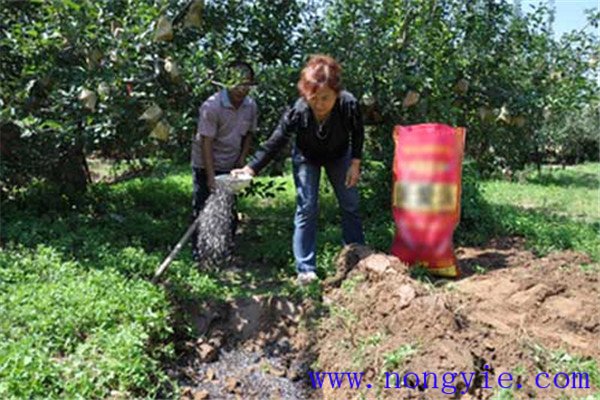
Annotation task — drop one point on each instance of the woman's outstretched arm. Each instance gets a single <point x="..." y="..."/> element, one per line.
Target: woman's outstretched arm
<point x="276" y="142"/>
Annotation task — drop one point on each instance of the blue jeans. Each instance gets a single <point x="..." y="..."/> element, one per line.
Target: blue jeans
<point x="306" y="178"/>
<point x="201" y="192"/>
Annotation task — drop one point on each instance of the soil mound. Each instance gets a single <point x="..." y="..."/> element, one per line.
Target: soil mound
<point x="529" y="315"/>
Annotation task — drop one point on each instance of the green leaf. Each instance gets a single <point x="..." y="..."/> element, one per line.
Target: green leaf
<point x="72" y="5"/>
<point x="51" y="124"/>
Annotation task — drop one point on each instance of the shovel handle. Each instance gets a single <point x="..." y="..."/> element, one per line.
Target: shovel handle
<point x="167" y="261"/>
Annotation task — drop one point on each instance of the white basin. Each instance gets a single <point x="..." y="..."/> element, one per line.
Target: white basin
<point x="234" y="183"/>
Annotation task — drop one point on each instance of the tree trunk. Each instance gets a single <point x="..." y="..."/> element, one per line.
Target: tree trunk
<point x="71" y="173"/>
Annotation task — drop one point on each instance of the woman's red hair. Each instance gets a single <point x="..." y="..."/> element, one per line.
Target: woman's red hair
<point x="320" y="71"/>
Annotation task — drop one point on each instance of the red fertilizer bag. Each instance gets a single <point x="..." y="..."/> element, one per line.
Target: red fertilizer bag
<point x="426" y="195"/>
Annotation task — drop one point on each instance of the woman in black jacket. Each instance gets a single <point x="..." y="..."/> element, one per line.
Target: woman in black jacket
<point x="327" y="125"/>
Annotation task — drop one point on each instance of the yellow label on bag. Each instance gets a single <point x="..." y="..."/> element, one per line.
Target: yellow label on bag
<point x="425" y="197"/>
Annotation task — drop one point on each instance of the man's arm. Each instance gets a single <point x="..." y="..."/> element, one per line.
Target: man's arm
<point x="207" y="130"/>
<point x="209" y="163"/>
<point x="246" y="143"/>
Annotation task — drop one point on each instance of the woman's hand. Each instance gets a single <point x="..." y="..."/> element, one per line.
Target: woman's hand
<point x="353" y="175"/>
<point x="242" y="171"/>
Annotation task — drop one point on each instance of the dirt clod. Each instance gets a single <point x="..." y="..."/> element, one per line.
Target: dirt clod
<point x="232" y="384"/>
<point x="210" y="374"/>
<point x="201" y="395"/>
<point x="206" y="353"/>
<point x="277" y="371"/>
<point x="186" y="392"/>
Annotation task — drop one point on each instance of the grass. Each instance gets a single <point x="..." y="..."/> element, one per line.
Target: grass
<point x="554" y="362"/>
<point x="395" y="359"/>
<point x="75" y="333"/>
<point x="572" y="192"/>
<point x="503" y="394"/>
<point x="80" y="318"/>
<point x="349" y="285"/>
<point x="557" y="210"/>
<point x="358" y="355"/>
<point x="560" y="361"/>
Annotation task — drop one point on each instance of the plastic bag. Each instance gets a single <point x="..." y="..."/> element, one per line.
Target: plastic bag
<point x="163" y="31"/>
<point x="194" y="14"/>
<point x="152" y="115"/>
<point x="161" y="131"/>
<point x="88" y="98"/>
<point x="427" y="174"/>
